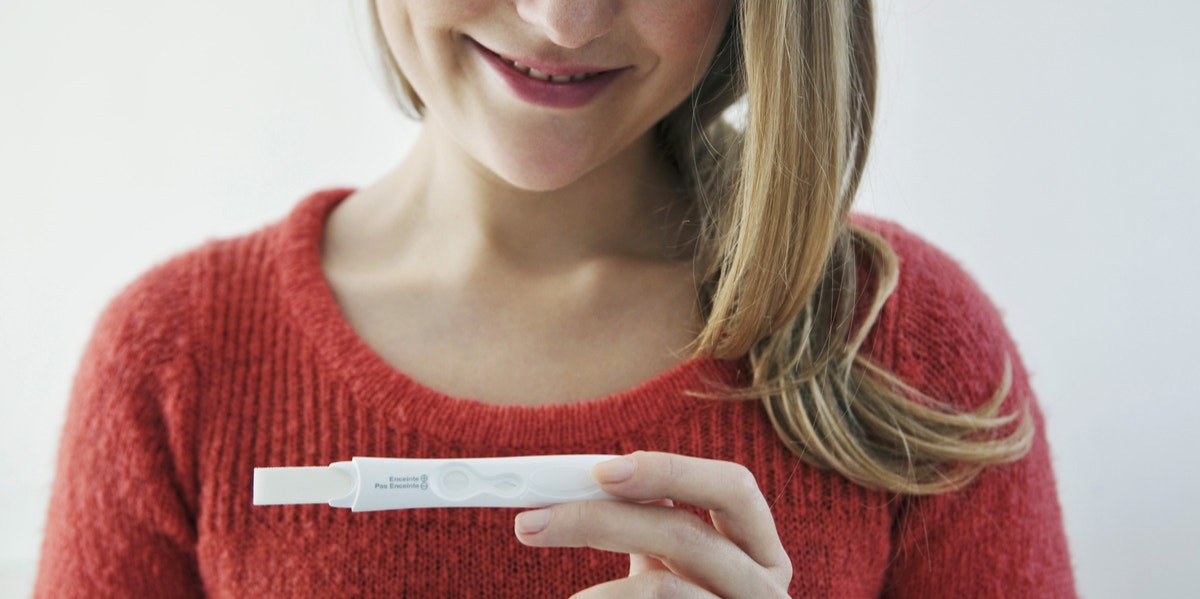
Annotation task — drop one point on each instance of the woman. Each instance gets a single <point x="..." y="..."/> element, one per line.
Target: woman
<point x="578" y="256"/>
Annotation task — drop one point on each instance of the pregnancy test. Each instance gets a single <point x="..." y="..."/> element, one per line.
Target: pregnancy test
<point x="371" y="484"/>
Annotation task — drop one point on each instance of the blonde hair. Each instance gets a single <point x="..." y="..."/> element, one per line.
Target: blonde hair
<point x="774" y="197"/>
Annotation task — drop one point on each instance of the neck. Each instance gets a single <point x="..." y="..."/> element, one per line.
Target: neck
<point x="630" y="207"/>
<point x="440" y="264"/>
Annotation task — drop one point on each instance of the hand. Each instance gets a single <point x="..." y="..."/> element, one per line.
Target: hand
<point x="673" y="553"/>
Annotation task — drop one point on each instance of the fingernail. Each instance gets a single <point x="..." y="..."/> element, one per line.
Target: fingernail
<point x="532" y="522"/>
<point x="614" y="471"/>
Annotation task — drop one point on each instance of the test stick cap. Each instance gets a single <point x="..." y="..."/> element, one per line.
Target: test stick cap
<point x="304" y="484"/>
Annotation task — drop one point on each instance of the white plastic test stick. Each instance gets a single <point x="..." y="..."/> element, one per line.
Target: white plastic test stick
<point x="370" y="484"/>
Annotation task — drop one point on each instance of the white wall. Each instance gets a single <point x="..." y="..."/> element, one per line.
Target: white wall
<point x="1051" y="146"/>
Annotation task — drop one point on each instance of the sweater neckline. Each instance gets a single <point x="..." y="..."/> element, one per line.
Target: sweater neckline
<point x="660" y="400"/>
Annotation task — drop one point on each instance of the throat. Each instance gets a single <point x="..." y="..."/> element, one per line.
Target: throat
<point x="510" y="336"/>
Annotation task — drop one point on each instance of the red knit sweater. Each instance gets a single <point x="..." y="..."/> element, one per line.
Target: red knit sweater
<point x="235" y="356"/>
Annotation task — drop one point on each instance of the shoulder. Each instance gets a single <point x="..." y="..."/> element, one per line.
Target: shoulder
<point x="187" y="295"/>
<point x="149" y="315"/>
<point x="938" y="331"/>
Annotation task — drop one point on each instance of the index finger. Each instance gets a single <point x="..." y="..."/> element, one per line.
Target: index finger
<point x="726" y="489"/>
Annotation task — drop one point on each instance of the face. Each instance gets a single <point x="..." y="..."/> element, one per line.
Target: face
<point x="542" y="92"/>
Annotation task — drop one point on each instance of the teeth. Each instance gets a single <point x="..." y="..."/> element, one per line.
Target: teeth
<point x="543" y="76"/>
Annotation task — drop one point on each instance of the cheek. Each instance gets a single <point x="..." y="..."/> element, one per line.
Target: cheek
<point x="420" y="33"/>
<point x="685" y="33"/>
<point x="395" y="21"/>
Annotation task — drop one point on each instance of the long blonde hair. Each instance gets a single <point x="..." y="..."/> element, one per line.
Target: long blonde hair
<point x="774" y="197"/>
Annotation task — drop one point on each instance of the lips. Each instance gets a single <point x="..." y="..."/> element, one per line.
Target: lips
<point x="545" y="71"/>
<point x="550" y="85"/>
<point x="536" y="74"/>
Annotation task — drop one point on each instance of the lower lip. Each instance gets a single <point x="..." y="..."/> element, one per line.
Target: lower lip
<point x="572" y="94"/>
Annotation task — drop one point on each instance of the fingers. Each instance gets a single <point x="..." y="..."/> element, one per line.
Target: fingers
<point x="680" y="540"/>
<point x="728" y="490"/>
<point x="657" y="584"/>
<point x="673" y="552"/>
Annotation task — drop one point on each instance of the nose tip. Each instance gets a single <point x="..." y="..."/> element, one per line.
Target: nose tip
<point x="569" y="23"/>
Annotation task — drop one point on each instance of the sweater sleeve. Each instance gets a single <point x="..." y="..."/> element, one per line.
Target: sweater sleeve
<point x="1002" y="535"/>
<point x="121" y="520"/>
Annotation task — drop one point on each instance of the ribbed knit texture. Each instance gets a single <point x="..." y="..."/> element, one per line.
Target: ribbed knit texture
<point x="235" y="355"/>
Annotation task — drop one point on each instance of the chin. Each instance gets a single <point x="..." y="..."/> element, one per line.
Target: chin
<point x="545" y="173"/>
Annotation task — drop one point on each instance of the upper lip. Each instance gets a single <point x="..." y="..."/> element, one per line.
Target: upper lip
<point x="551" y="67"/>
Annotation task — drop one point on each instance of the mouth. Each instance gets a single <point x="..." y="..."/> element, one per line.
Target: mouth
<point x="536" y="74"/>
<point x="545" y="73"/>
<point x="556" y="85"/>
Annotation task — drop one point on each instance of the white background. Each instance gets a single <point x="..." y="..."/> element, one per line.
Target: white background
<point x="1050" y="146"/>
